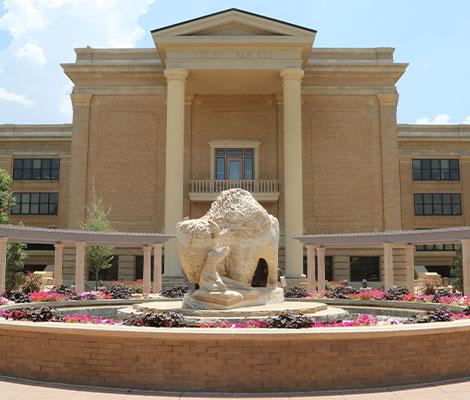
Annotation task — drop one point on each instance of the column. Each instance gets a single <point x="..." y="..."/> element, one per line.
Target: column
<point x="390" y="162"/>
<point x="311" y="282"/>
<point x="466" y="266"/>
<point x="80" y="266"/>
<point x="321" y="268"/>
<point x="410" y="268"/>
<point x="79" y="160"/>
<point x="157" y="268"/>
<point x="174" y="163"/>
<point x="293" y="199"/>
<point x="147" y="266"/>
<point x="3" y="263"/>
<point x="58" y="256"/>
<point x="388" y="266"/>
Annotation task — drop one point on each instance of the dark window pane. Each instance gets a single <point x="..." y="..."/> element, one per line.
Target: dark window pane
<point x="435" y="164"/>
<point x="234" y="152"/>
<point x="435" y="174"/>
<point x="445" y="174"/>
<point x="248" y="152"/>
<point x="46" y="174"/>
<point x="418" y="198"/>
<point x="436" y="198"/>
<point x="456" y="209"/>
<point x="55" y="173"/>
<point x="55" y="163"/>
<point x="34" y="197"/>
<point x="456" y="198"/>
<point x="220" y="152"/>
<point x="36" y="174"/>
<point x="46" y="163"/>
<point x="427" y="198"/>
<point x="26" y="173"/>
<point x="426" y="173"/>
<point x="419" y="209"/>
<point x="34" y="209"/>
<point x="44" y="209"/>
<point x="36" y="164"/>
<point x="249" y="168"/>
<point x="27" y="164"/>
<point x="428" y="209"/>
<point x="426" y="164"/>
<point x="365" y="268"/>
<point x="446" y="198"/>
<point x="446" y="209"/>
<point x="220" y="168"/>
<point x="44" y="197"/>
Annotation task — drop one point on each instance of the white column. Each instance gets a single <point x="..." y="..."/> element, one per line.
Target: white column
<point x="3" y="263"/>
<point x="157" y="268"/>
<point x="410" y="267"/>
<point x="311" y="282"/>
<point x="58" y="255"/>
<point x="466" y="266"/>
<point x="174" y="163"/>
<point x="147" y="266"/>
<point x="80" y="266"/>
<point x="321" y="268"/>
<point x="388" y="266"/>
<point x="293" y="199"/>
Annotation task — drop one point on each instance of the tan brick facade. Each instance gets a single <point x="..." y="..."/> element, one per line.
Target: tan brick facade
<point x="356" y="169"/>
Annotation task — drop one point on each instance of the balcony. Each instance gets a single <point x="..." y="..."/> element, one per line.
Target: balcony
<point x="266" y="190"/>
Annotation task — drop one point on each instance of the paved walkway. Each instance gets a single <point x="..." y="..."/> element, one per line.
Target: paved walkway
<point x="12" y="389"/>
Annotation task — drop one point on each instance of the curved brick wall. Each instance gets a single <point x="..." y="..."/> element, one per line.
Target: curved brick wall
<point x="234" y="360"/>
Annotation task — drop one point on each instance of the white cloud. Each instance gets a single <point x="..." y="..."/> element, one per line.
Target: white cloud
<point x="32" y="53"/>
<point x="47" y="31"/>
<point x="5" y="95"/>
<point x="440" y="119"/>
<point x="467" y="120"/>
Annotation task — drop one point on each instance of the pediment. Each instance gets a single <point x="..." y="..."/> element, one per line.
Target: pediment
<point x="233" y="22"/>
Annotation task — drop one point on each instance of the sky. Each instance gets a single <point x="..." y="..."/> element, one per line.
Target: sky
<point x="433" y="36"/>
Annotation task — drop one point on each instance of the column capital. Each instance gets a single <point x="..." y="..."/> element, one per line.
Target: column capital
<point x="321" y="249"/>
<point x="175" y="74"/>
<point x="81" y="99"/>
<point x="288" y="74"/>
<point x="465" y="241"/>
<point x="59" y="245"/>
<point x="156" y="246"/>
<point x="388" y="245"/>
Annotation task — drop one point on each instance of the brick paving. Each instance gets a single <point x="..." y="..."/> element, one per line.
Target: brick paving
<point x="16" y="389"/>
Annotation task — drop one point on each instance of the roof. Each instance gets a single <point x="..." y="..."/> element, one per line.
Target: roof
<point x="29" y="234"/>
<point x="232" y="10"/>
<point x="378" y="239"/>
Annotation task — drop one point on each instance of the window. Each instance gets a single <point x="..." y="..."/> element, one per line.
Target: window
<point x="234" y="164"/>
<point x="329" y="275"/>
<point x="40" y="246"/>
<point x="436" y="170"/>
<point x="438" y="247"/>
<point x="437" y="204"/>
<point x="108" y="274"/>
<point x="442" y="270"/>
<point x="139" y="267"/>
<point x="36" y="168"/>
<point x="365" y="268"/>
<point x="36" y="203"/>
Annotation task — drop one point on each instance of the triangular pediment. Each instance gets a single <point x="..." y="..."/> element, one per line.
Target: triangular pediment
<point x="233" y="22"/>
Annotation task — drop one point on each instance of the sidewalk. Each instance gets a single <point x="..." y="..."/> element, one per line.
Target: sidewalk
<point x="13" y="389"/>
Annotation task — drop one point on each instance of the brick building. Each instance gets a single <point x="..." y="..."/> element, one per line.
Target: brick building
<point x="235" y="99"/>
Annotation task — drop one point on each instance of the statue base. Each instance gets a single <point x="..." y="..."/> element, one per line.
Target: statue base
<point x="202" y="299"/>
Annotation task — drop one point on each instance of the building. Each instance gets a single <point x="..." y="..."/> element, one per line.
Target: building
<point x="235" y="99"/>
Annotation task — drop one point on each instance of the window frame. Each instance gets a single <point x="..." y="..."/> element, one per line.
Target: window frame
<point x="435" y="202"/>
<point x="43" y="173"/>
<point x="235" y="144"/>
<point x="435" y="170"/>
<point x="39" y="203"/>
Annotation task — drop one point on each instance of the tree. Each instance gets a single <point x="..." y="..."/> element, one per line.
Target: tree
<point x="98" y="257"/>
<point x="16" y="252"/>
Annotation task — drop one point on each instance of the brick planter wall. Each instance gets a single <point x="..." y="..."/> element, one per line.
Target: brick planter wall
<point x="234" y="360"/>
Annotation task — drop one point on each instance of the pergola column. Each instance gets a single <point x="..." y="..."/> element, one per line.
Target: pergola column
<point x="410" y="268"/>
<point x="293" y="198"/>
<point x="58" y="255"/>
<point x="147" y="270"/>
<point x="3" y="262"/>
<point x="174" y="162"/>
<point x="321" y="268"/>
<point x="388" y="266"/>
<point x="80" y="266"/>
<point x="157" y="268"/>
<point x="311" y="282"/>
<point x="466" y="266"/>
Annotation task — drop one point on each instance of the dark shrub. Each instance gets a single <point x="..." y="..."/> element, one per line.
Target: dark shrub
<point x="289" y="320"/>
<point x="42" y="314"/>
<point x="63" y="289"/>
<point x="440" y="315"/>
<point x="175" y="291"/>
<point x="341" y="292"/>
<point x="295" y="293"/>
<point x="158" y="320"/>
<point x="16" y="296"/>
<point x="396" y="293"/>
<point x="119" y="292"/>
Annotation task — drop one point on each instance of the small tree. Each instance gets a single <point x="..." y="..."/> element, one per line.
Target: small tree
<point x="16" y="254"/>
<point x="456" y="272"/>
<point x="98" y="258"/>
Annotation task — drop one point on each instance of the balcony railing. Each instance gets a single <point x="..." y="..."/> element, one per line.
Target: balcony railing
<point x="208" y="189"/>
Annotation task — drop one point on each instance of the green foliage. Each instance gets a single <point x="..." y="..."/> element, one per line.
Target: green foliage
<point x="456" y="272"/>
<point x="16" y="253"/>
<point x="98" y="258"/>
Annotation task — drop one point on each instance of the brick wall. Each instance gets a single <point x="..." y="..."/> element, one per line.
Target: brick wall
<point x="249" y="362"/>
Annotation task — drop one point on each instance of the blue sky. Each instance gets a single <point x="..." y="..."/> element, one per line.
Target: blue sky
<point x="433" y="36"/>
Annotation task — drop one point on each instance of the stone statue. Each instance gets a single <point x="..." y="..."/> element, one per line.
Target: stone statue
<point x="222" y="251"/>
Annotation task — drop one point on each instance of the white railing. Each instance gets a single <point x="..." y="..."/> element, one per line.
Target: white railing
<point x="215" y="186"/>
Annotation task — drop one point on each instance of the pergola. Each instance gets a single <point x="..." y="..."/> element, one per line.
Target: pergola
<point x="79" y="239"/>
<point x="386" y="240"/>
